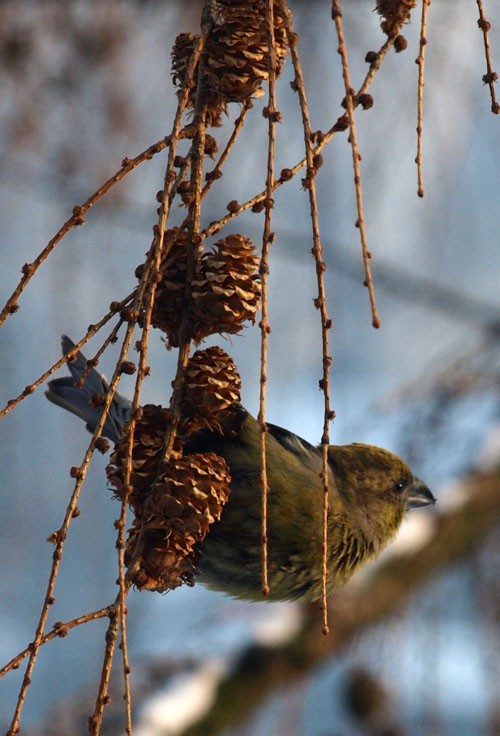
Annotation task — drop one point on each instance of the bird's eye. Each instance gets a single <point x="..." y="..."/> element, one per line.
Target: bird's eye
<point x="400" y="486"/>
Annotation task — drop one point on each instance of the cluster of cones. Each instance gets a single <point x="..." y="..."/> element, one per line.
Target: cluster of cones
<point x="221" y="293"/>
<point x="198" y="293"/>
<point x="175" y="502"/>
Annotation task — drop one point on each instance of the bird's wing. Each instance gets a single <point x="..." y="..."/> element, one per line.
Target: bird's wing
<point x="291" y="442"/>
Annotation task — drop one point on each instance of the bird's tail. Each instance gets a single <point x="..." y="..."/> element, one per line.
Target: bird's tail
<point x="81" y="401"/>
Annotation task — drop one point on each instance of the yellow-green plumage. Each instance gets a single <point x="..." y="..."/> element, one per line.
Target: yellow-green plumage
<point x="370" y="490"/>
<point x="366" y="510"/>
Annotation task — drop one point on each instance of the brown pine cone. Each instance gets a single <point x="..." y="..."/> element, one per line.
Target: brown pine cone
<point x="226" y="292"/>
<point x="235" y="58"/>
<point x="187" y="497"/>
<point x="147" y="450"/>
<point x="212" y="387"/>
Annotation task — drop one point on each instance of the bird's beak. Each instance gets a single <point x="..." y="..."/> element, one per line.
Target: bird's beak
<point x="419" y="495"/>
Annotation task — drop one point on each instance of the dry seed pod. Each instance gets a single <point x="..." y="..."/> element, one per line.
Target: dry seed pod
<point x="175" y="516"/>
<point x="170" y="291"/>
<point x="237" y="60"/>
<point x="181" y="53"/>
<point x="155" y="567"/>
<point x="149" y="436"/>
<point x="227" y="290"/>
<point x="236" y="55"/>
<point x="212" y="387"/>
<point x="395" y="13"/>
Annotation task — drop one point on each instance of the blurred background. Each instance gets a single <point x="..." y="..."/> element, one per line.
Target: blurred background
<point x="414" y="644"/>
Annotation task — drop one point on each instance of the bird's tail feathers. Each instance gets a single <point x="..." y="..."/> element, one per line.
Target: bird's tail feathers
<point x="80" y="401"/>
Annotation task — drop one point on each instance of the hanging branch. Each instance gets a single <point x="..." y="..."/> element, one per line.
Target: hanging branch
<point x="309" y="183"/>
<point x="59" y="629"/>
<point x="216" y="172"/>
<point x="420" y="96"/>
<point x="273" y="116"/>
<point x="59" y="537"/>
<point x="491" y="76"/>
<point x="356" y="158"/>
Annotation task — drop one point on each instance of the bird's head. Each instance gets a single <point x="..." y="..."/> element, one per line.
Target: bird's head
<point x="376" y="486"/>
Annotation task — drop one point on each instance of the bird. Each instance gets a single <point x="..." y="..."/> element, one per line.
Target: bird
<point x="370" y="491"/>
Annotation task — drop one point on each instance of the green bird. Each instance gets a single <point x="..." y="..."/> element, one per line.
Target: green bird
<point x="370" y="491"/>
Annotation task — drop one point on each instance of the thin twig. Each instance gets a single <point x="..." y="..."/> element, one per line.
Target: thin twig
<point x="122" y="611"/>
<point x="159" y="250"/>
<point x="420" y="97"/>
<point x="238" y="125"/>
<point x="356" y="159"/>
<point x="103" y="698"/>
<point x="77" y="218"/>
<point x="60" y="628"/>
<point x="491" y="76"/>
<point x="320" y="301"/>
<point x="93" y="330"/>
<point x="267" y="236"/>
